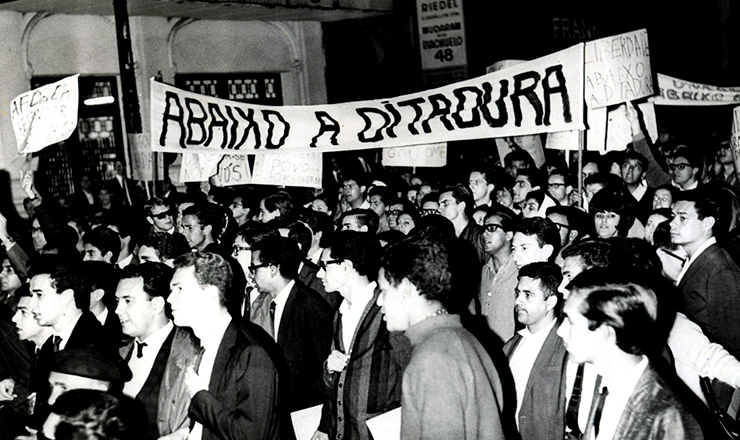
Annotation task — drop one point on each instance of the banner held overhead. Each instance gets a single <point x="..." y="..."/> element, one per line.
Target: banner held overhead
<point x="540" y="96"/>
<point x="674" y="91"/>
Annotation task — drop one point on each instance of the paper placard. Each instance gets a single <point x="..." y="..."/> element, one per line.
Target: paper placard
<point x="46" y="115"/>
<point x="233" y="169"/>
<point x="432" y="155"/>
<point x="618" y="129"/>
<point x="441" y="34"/>
<point x="198" y="167"/>
<point x="141" y="156"/>
<point x="539" y="96"/>
<point x="306" y="421"/>
<point x="618" y="69"/>
<point x="288" y="169"/>
<point x="674" y="91"/>
<point x="386" y="426"/>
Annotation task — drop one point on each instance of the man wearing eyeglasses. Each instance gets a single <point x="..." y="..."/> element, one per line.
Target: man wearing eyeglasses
<point x="498" y="276"/>
<point x="363" y="372"/>
<point x="160" y="215"/>
<point x="710" y="279"/>
<point x="558" y="188"/>
<point x="301" y="319"/>
<point x="686" y="168"/>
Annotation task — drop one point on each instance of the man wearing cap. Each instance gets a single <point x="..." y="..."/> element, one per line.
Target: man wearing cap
<point x="234" y="392"/>
<point x="141" y="295"/>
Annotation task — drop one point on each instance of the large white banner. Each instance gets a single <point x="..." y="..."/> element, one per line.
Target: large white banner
<point x="46" y="115"/>
<point x="674" y="91"/>
<point x="618" y="69"/>
<point x="539" y="96"/>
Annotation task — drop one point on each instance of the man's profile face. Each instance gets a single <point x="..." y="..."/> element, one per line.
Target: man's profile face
<point x="526" y="249"/>
<point x="162" y="217"/>
<point x="531" y="304"/>
<point x="686" y="228"/>
<point x="479" y="186"/>
<point x="393" y="304"/>
<point x="583" y="344"/>
<point x="561" y="221"/>
<point x="193" y="231"/>
<point x="187" y="298"/>
<point x="571" y="267"/>
<point x="261" y="275"/>
<point x="494" y="236"/>
<point x="37" y="235"/>
<point x="47" y="305"/>
<point x="350" y="223"/>
<point x="448" y="206"/>
<point x="135" y="308"/>
<point x="93" y="254"/>
<point x="25" y="324"/>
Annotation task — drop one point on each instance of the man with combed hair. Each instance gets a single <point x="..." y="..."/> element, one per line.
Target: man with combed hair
<point x="456" y="205"/>
<point x="360" y="220"/>
<point x="162" y="248"/>
<point x="102" y="244"/>
<point x="536" y="352"/>
<point x="234" y="393"/>
<point x="535" y="239"/>
<point x="451" y="389"/>
<point x="481" y="183"/>
<point x="363" y="371"/>
<point x="161" y="215"/>
<point x="612" y="326"/>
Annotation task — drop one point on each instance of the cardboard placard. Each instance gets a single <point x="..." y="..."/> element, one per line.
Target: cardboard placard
<point x="233" y="169"/>
<point x="198" y="167"/>
<point x="433" y="155"/>
<point x="288" y="169"/>
<point x="674" y="91"/>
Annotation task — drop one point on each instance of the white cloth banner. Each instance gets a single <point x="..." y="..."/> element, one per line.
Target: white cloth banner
<point x="434" y="155"/>
<point x="539" y="96"/>
<point x="288" y="169"/>
<point x="618" y="69"/>
<point x="46" y="115"/>
<point x="674" y="91"/>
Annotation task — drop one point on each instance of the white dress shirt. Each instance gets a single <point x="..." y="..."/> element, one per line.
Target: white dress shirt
<point x="66" y="332"/>
<point x="523" y="358"/>
<point x="280" y="301"/>
<point x="693" y="258"/>
<point x="141" y="367"/>
<point x="587" y="390"/>
<point x="351" y="315"/>
<point x="619" y="394"/>
<point x="102" y="316"/>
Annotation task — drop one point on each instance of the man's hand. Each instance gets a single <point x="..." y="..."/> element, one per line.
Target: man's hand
<point x="6" y="389"/>
<point x="336" y="361"/>
<point x="180" y="434"/>
<point x="31" y="434"/>
<point x="318" y="435"/>
<point x="193" y="382"/>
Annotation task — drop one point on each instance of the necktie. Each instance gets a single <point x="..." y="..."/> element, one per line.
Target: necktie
<point x="140" y="349"/>
<point x="571" y="414"/>
<point x="272" y="317"/>
<point x="57" y="342"/>
<point x="599" y="409"/>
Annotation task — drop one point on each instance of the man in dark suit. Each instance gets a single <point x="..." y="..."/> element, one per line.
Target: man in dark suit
<point x="234" y="393"/>
<point x="612" y="325"/>
<point x="301" y="319"/>
<point x="537" y="355"/>
<point x="59" y="300"/>
<point x="363" y="372"/>
<point x="710" y="279"/>
<point x="101" y="280"/>
<point x="308" y="270"/>
<point x="141" y="295"/>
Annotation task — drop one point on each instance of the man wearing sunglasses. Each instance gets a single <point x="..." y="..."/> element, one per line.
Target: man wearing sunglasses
<point x="160" y="215"/>
<point x="499" y="275"/>
<point x="686" y="168"/>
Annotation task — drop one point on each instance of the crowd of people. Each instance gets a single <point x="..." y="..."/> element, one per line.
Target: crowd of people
<point x="502" y="303"/>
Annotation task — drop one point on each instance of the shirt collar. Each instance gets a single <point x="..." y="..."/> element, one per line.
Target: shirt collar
<point x="158" y="337"/>
<point x="699" y="251"/>
<point x="212" y="340"/>
<point x="542" y="333"/>
<point x="640" y="191"/>
<point x="359" y="299"/>
<point x="282" y="297"/>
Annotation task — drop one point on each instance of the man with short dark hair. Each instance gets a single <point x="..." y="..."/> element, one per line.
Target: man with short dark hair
<point x="611" y="326"/>
<point x="686" y="168"/>
<point x="536" y="352"/>
<point x="634" y="168"/>
<point x="363" y="371"/>
<point x="162" y="248"/>
<point x="234" y="394"/>
<point x="380" y="198"/>
<point x="161" y="215"/>
<point x="353" y="190"/>
<point x="301" y="319"/>
<point x="451" y="389"/>
<point x="201" y="226"/>
<point x="567" y="220"/>
<point x="142" y="309"/>
<point x="101" y="280"/>
<point x="102" y="244"/>
<point x="456" y="205"/>
<point x="481" y="183"/>
<point x="535" y="239"/>
<point x="359" y="220"/>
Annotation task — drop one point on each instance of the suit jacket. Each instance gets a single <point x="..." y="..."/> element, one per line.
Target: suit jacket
<point x="305" y="338"/>
<point x="88" y="332"/>
<point x="711" y="295"/>
<point x="309" y="276"/>
<point x="542" y="412"/>
<point x="370" y="384"/>
<point x="653" y="412"/>
<point x="242" y="397"/>
<point x="149" y="393"/>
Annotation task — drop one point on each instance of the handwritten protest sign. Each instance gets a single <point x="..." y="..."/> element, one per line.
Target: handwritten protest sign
<point x="288" y="169"/>
<point x="618" y="69"/>
<point x="45" y="116"/>
<point x="673" y="91"/>
<point x="539" y="96"/>
<point x="233" y="169"/>
<point x="198" y="167"/>
<point x="433" y="155"/>
<point x="141" y="156"/>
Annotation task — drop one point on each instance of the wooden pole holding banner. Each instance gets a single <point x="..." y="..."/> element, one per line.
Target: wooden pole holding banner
<point x="581" y="143"/>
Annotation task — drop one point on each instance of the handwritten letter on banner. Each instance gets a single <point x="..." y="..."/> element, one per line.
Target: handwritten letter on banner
<point x="433" y="155"/>
<point x="289" y="169"/>
<point x="539" y="96"/>
<point x="673" y="91"/>
<point x="618" y="69"/>
<point x="45" y="116"/>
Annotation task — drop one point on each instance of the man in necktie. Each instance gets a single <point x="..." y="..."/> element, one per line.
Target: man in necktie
<point x="610" y="323"/>
<point x="537" y="355"/>
<point x="142" y="299"/>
